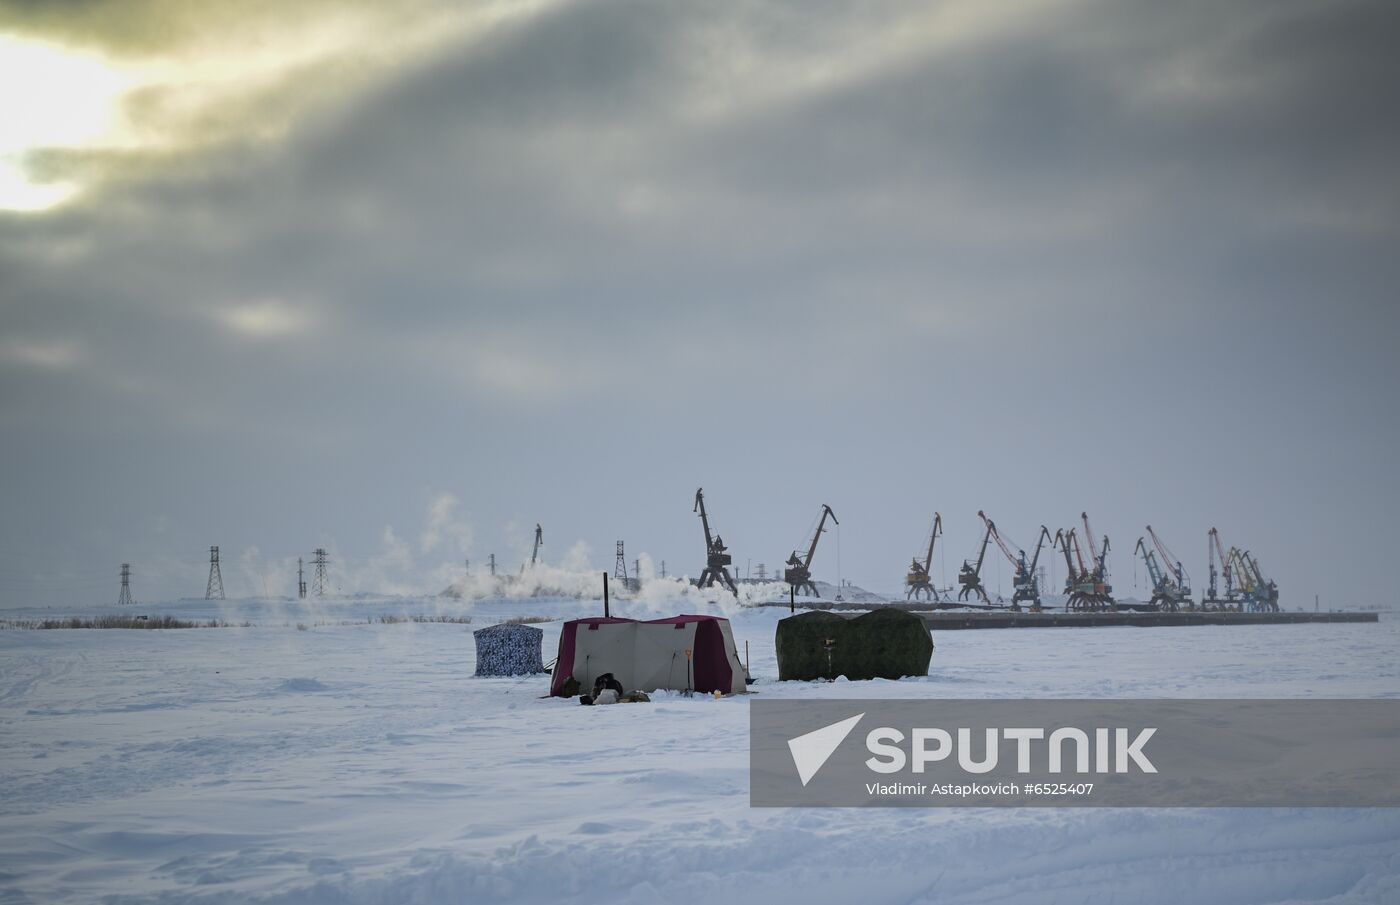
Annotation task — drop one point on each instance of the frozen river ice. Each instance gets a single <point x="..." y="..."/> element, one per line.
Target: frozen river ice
<point x="361" y="762"/>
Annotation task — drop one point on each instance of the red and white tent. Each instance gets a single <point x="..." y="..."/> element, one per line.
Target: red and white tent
<point x="645" y="656"/>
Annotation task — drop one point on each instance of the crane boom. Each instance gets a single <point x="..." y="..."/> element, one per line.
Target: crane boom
<point x="1154" y="569"/>
<point x="1217" y="549"/>
<point x="1224" y="561"/>
<point x="1099" y="552"/>
<point x="1089" y="537"/>
<point x="1217" y="554"/>
<point x="1221" y="563"/>
<point x="821" y="526"/>
<point x="1254" y="567"/>
<point x="993" y="533"/>
<point x="1168" y="558"/>
<point x="1062" y="541"/>
<point x="1040" y="542"/>
<point x="704" y="519"/>
<point x="1078" y="551"/>
<point x="1161" y="547"/>
<point x="986" y="538"/>
<point x="933" y="536"/>
<point x="1241" y="570"/>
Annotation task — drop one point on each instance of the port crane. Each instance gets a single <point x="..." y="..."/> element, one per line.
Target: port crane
<point x="535" y="553"/>
<point x="1171" y="588"/>
<point x="717" y="558"/>
<point x="1258" y="594"/>
<point x="799" y="570"/>
<point x="1075" y="572"/>
<point x="970" y="576"/>
<point x="1023" y="579"/>
<point x="1220" y="566"/>
<point x="1099" y="553"/>
<point x="918" y="580"/>
<point x="1085" y="586"/>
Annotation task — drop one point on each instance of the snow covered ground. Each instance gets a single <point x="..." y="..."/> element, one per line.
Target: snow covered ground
<point x="361" y="762"/>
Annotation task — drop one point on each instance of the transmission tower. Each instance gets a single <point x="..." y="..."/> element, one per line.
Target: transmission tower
<point x="492" y="561"/>
<point x="663" y="568"/>
<point x="620" y="569"/>
<point x="214" y="590"/>
<point x="318" y="583"/>
<point x="124" y="598"/>
<point x="301" y="580"/>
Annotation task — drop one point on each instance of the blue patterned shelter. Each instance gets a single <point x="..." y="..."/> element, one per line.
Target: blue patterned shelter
<point x="509" y="650"/>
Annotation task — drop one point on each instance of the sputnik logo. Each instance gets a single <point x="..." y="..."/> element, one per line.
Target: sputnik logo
<point x="811" y="751"/>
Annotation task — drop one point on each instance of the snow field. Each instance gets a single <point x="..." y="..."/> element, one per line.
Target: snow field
<point x="363" y="763"/>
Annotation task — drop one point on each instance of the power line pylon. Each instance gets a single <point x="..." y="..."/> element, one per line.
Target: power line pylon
<point x="124" y="598"/>
<point x="215" y="589"/>
<point x="620" y="568"/>
<point x="318" y="582"/>
<point x="301" y="580"/>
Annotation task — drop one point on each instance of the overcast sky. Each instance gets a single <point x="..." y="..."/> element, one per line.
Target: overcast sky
<point x="404" y="279"/>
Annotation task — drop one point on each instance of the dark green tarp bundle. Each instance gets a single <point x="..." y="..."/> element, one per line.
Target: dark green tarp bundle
<point x="884" y="644"/>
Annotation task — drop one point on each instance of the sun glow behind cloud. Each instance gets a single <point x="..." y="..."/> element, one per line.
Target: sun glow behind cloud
<point x="264" y="319"/>
<point x="248" y="82"/>
<point x="50" y="98"/>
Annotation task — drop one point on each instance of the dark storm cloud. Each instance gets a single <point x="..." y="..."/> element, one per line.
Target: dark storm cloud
<point x="979" y="228"/>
